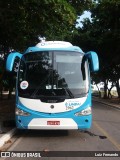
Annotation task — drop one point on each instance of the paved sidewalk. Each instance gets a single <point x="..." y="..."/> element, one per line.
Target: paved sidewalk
<point x="7" y="115"/>
<point x="7" y="120"/>
<point x="110" y="102"/>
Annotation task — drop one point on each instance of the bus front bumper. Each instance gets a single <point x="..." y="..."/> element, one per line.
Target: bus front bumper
<point x="83" y="122"/>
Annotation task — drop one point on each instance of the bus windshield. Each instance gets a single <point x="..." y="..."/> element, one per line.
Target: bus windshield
<point x="52" y="74"/>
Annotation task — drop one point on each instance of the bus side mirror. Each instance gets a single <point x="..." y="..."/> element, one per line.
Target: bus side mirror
<point x="12" y="60"/>
<point x="93" y="60"/>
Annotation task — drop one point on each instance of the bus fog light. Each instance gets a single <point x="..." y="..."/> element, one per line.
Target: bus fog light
<point x="84" y="112"/>
<point x="20" y="112"/>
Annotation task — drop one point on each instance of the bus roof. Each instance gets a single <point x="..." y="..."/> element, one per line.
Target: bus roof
<point x="53" y="45"/>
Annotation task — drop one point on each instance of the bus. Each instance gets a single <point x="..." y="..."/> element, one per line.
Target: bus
<point x="53" y="90"/>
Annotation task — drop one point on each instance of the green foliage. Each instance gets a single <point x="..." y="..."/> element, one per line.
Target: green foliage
<point x="106" y="19"/>
<point x="21" y="21"/>
<point x="103" y="35"/>
<point x="80" y="5"/>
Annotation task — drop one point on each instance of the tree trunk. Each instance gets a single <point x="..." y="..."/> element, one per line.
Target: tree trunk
<point x="105" y="89"/>
<point x="118" y="88"/>
<point x="109" y="91"/>
<point x="10" y="87"/>
<point x="98" y="90"/>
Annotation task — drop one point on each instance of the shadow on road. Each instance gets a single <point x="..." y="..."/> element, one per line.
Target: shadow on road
<point x="43" y="133"/>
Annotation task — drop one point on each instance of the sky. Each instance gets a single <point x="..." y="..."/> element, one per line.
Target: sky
<point x="86" y="14"/>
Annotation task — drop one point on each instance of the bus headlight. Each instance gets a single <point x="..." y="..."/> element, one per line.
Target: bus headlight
<point x="20" y="112"/>
<point x="84" y="112"/>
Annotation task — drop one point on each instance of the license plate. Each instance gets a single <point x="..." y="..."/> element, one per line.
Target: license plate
<point x="53" y="122"/>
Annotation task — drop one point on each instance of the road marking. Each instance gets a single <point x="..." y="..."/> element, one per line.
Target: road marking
<point x="117" y="145"/>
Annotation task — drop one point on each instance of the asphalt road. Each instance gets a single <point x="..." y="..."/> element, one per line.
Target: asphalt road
<point x="103" y="136"/>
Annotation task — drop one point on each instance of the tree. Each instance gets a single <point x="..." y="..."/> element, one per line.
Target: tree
<point x="1" y="75"/>
<point x="103" y="34"/>
<point x="22" y="21"/>
<point x="106" y="17"/>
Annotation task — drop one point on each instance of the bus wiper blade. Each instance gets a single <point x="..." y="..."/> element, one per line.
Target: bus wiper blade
<point x="38" y="88"/>
<point x="69" y="92"/>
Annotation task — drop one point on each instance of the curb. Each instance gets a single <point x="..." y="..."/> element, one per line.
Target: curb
<point x="111" y="105"/>
<point x="7" y="136"/>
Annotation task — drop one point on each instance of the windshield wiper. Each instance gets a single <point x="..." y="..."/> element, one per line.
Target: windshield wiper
<point x="69" y="92"/>
<point x="36" y="90"/>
